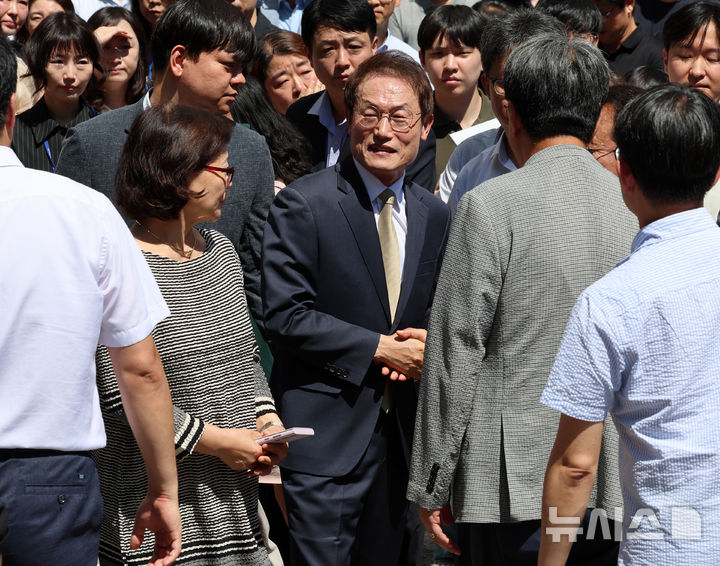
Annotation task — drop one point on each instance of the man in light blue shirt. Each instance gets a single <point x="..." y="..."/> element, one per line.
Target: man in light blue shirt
<point x="640" y="345"/>
<point x="285" y="14"/>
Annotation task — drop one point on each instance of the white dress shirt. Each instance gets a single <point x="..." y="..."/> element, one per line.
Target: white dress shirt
<point x="399" y="216"/>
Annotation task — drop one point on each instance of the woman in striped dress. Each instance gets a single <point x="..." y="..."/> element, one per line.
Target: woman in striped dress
<point x="173" y="173"/>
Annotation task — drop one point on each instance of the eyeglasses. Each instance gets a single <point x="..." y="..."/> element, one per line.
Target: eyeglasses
<point x="600" y="152"/>
<point x="400" y="123"/>
<point x="229" y="172"/>
<point x="610" y="11"/>
<point x="498" y="86"/>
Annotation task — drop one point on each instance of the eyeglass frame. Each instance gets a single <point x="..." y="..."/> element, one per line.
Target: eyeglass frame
<point x="229" y="173"/>
<point x="493" y="84"/>
<point x="380" y="115"/>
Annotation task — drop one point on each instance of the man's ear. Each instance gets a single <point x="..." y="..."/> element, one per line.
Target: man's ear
<point x="627" y="180"/>
<point x="177" y="59"/>
<point x="374" y="44"/>
<point x="10" y="117"/>
<point x="665" y="60"/>
<point x="485" y="83"/>
<point x="427" y="123"/>
<point x="514" y="123"/>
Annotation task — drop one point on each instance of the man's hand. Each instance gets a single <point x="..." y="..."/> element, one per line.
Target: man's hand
<point x="161" y="515"/>
<point x="431" y="519"/>
<point x="402" y="354"/>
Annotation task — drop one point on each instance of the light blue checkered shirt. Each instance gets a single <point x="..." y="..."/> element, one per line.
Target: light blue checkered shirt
<point x="644" y="344"/>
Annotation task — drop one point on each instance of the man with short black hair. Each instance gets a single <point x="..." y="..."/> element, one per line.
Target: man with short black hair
<point x="200" y="51"/>
<point x="639" y="346"/>
<point x="339" y="36"/>
<point x="581" y="17"/>
<point x="522" y="247"/>
<point x="350" y="258"/>
<point x="77" y="280"/>
<point x="625" y="45"/>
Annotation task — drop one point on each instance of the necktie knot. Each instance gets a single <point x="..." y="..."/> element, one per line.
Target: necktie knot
<point x="387" y="197"/>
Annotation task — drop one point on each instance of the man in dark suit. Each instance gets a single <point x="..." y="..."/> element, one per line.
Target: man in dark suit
<point x="350" y="258"/>
<point x="339" y="36"/>
<point x="191" y="70"/>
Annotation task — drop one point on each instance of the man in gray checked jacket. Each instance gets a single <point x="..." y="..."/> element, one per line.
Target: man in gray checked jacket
<point x="522" y="247"/>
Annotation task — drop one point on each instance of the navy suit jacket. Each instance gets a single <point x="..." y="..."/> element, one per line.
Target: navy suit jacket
<point x="421" y="171"/>
<point x="325" y="303"/>
<point x="90" y="156"/>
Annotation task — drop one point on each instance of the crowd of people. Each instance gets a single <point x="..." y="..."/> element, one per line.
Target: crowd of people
<point x="468" y="243"/>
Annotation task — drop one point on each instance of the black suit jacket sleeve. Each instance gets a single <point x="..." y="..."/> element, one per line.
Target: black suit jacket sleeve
<point x="422" y="170"/>
<point x="292" y="321"/>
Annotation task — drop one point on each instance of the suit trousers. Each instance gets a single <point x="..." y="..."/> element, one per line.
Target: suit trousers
<point x="518" y="544"/>
<point x="358" y="519"/>
<point x="54" y="508"/>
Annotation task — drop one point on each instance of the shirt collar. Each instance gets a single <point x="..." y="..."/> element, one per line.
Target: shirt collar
<point x="374" y="187"/>
<point x="146" y="100"/>
<point x="674" y="226"/>
<point x="8" y="158"/>
<point x="299" y="4"/>
<point x="502" y="153"/>
<point x="324" y="111"/>
<point x="46" y="125"/>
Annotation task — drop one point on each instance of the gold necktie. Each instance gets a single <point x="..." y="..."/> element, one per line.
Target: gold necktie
<point x="391" y="262"/>
<point x="389" y="247"/>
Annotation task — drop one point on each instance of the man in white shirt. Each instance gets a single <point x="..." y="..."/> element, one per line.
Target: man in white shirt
<point x="74" y="280"/>
<point x="383" y="9"/>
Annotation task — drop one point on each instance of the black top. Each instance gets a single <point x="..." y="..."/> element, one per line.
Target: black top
<point x="262" y="24"/>
<point x="637" y="50"/>
<point x="3" y="525"/>
<point x="35" y="126"/>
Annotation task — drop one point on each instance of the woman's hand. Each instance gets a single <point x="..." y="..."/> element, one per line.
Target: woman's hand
<point x="237" y="447"/>
<point x="103" y="34"/>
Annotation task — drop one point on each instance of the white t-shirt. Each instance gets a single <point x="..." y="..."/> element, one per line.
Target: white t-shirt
<point x="71" y="276"/>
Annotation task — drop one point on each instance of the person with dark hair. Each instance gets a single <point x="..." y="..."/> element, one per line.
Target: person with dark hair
<point x="581" y="17"/>
<point x="637" y="347"/>
<point x="149" y="12"/>
<point x="646" y="77"/>
<point x="651" y="15"/>
<point x="339" y="36"/>
<point x="522" y="248"/>
<point x="173" y="173"/>
<point x="284" y="69"/>
<point x="290" y="156"/>
<point x="122" y="56"/>
<point x="449" y="39"/>
<point x="624" y="44"/>
<point x="78" y="280"/>
<point x="602" y="143"/>
<point x="383" y="10"/>
<point x="62" y="55"/>
<point x="405" y="20"/>
<point x="493" y="7"/>
<point x="257" y="19"/>
<point x="490" y="153"/>
<point x="285" y="14"/>
<point x="38" y="10"/>
<point x="200" y="51"/>
<point x="692" y="47"/>
<point x="350" y="257"/>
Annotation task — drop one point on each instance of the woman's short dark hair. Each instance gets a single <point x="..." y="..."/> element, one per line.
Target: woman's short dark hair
<point x="395" y="64"/>
<point x="454" y="22"/>
<point x="166" y="146"/>
<point x="689" y="21"/>
<point x="291" y="157"/>
<point x="276" y="42"/>
<point x="579" y="16"/>
<point x="493" y="7"/>
<point x="345" y="15"/>
<point x="201" y="27"/>
<point x="23" y="35"/>
<point x="670" y="139"/>
<point x="111" y="16"/>
<point x="60" y="32"/>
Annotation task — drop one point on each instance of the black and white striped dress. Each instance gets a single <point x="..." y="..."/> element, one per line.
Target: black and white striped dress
<point x="210" y="358"/>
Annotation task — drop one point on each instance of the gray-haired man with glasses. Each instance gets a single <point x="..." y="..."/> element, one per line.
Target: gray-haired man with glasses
<point x="350" y="259"/>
